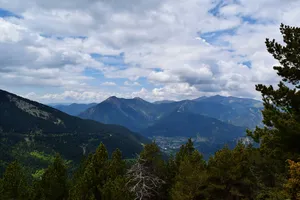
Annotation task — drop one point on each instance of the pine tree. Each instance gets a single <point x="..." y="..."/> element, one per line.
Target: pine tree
<point x="281" y="115"/>
<point x="54" y="182"/>
<point x="117" y="166"/>
<point x="191" y="179"/>
<point x="280" y="138"/>
<point x="185" y="150"/>
<point x="94" y="177"/>
<point x="14" y="183"/>
<point x="230" y="175"/>
<point x="115" y="186"/>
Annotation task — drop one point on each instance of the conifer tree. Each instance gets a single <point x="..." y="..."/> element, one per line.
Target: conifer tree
<point x="54" y="182"/>
<point x="115" y="186"/>
<point x="185" y="150"/>
<point x="280" y="138"/>
<point x="14" y="184"/>
<point x="94" y="177"/>
<point x="117" y="166"/>
<point x="230" y="176"/>
<point x="191" y="179"/>
<point x="281" y="115"/>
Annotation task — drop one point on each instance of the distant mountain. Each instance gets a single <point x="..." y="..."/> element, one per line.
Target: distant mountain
<point x="163" y="101"/>
<point x="135" y="114"/>
<point x="186" y="124"/>
<point x="240" y="113"/>
<point x="57" y="104"/>
<point x="37" y="127"/>
<point x="74" y="108"/>
<point x="232" y="101"/>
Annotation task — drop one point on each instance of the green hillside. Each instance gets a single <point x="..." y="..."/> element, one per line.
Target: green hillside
<point x="27" y="126"/>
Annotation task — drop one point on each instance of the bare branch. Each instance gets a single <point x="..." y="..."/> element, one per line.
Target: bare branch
<point x="142" y="182"/>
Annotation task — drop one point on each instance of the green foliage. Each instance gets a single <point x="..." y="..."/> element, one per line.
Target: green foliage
<point x="152" y="156"/>
<point x="14" y="184"/>
<point x="100" y="178"/>
<point x="191" y="178"/>
<point x="116" y="165"/>
<point x="185" y="150"/>
<point x="93" y="177"/>
<point x="282" y="106"/>
<point x="115" y="189"/>
<point x="280" y="138"/>
<point x="54" y="182"/>
<point x="230" y="174"/>
<point x="42" y="156"/>
<point x="38" y="174"/>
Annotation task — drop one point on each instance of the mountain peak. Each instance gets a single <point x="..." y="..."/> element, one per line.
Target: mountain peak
<point x="112" y="97"/>
<point x="138" y="99"/>
<point x="112" y="100"/>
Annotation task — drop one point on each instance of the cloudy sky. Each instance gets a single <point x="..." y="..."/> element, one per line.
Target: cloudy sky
<point x="88" y="50"/>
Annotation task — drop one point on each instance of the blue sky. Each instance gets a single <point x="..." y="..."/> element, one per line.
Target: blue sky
<point x="87" y="51"/>
<point x="6" y="13"/>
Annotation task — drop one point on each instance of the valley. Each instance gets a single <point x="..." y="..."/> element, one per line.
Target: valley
<point x="32" y="132"/>
<point x="211" y="121"/>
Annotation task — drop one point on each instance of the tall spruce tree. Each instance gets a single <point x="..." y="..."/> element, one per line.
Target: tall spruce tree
<point x="116" y="166"/>
<point x="191" y="178"/>
<point x="95" y="174"/>
<point x="14" y="184"/>
<point x="115" y="186"/>
<point x="54" y="182"/>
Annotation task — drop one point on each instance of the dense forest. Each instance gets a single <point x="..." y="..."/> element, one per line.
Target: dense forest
<point x="271" y="171"/>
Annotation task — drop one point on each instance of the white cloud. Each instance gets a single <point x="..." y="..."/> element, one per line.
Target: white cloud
<point x="109" y="83"/>
<point x="10" y="32"/>
<point x="129" y="83"/>
<point x="179" y="47"/>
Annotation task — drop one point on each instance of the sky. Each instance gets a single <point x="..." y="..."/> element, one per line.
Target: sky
<point x="87" y="50"/>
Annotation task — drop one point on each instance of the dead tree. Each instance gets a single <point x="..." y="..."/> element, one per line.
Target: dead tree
<point x="142" y="182"/>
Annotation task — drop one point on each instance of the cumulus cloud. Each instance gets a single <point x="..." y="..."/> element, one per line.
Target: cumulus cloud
<point x="181" y="49"/>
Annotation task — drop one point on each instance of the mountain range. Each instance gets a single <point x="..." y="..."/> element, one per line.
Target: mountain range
<point x="138" y="114"/>
<point x="210" y="121"/>
<point x="27" y="127"/>
<point x="216" y="119"/>
<point x="31" y="131"/>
